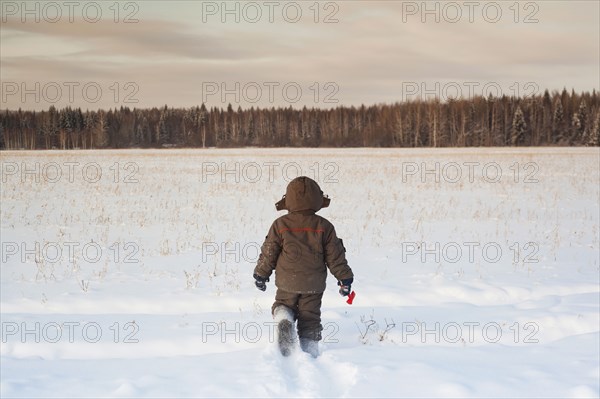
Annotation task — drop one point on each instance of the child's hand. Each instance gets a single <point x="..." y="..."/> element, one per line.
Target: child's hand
<point x="345" y="286"/>
<point x="261" y="282"/>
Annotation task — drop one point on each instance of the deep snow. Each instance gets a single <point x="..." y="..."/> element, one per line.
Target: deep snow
<point x="477" y="273"/>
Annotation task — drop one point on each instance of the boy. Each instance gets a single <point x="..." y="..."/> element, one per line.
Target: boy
<point x="300" y="246"/>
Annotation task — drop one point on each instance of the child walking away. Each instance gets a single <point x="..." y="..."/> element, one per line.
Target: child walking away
<point x="300" y="246"/>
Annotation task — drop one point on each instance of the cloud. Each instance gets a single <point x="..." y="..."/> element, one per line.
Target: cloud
<point x="147" y="38"/>
<point x="370" y="53"/>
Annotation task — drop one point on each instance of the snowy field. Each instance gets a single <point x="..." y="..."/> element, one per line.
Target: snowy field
<point x="129" y="273"/>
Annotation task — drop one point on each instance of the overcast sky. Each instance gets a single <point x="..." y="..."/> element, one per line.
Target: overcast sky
<point x="180" y="53"/>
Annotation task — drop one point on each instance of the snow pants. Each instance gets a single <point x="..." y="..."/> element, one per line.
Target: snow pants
<point x="306" y="309"/>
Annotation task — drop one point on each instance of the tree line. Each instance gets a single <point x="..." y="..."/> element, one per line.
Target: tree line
<point x="558" y="118"/>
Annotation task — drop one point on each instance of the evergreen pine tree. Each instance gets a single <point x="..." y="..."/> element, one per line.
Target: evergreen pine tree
<point x="594" y="134"/>
<point x="518" y="127"/>
<point x="162" y="132"/>
<point x="557" y="121"/>
<point x="580" y="124"/>
<point x="2" y="141"/>
<point x="102" y="130"/>
<point x="202" y="117"/>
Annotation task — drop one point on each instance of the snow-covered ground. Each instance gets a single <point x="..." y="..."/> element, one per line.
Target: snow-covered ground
<point x="129" y="273"/>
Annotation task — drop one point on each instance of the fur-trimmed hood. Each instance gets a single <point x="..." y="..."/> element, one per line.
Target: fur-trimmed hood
<point x="303" y="194"/>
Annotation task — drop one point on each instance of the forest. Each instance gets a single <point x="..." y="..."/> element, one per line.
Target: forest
<point x="548" y="119"/>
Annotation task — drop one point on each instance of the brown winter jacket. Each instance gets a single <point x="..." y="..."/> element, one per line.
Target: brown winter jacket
<point x="301" y="245"/>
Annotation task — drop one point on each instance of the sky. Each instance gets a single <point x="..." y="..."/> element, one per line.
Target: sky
<point x="106" y="54"/>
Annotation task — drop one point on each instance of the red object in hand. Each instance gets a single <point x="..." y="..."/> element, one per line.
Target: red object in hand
<point x="350" y="298"/>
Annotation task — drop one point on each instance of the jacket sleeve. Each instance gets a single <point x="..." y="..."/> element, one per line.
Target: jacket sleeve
<point x="269" y="253"/>
<point x="335" y="256"/>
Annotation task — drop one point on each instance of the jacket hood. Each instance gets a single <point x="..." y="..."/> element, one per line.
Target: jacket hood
<point x="303" y="193"/>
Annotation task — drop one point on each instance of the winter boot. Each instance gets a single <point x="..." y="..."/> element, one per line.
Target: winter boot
<point x="284" y="317"/>
<point x="310" y="346"/>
